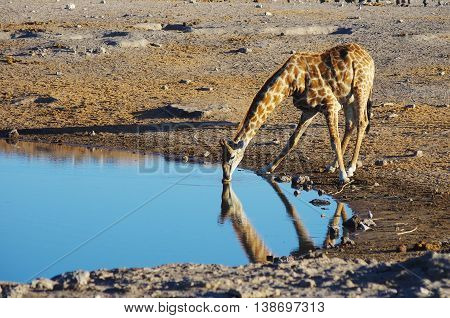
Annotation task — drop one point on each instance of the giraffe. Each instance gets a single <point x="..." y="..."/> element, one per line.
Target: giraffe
<point x="318" y="83"/>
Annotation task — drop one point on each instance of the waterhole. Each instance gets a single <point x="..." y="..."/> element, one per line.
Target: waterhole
<point x="64" y="208"/>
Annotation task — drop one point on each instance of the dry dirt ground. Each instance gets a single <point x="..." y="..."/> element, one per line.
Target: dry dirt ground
<point x="65" y="73"/>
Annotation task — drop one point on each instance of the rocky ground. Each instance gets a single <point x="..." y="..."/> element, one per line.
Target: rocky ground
<point x="315" y="276"/>
<point x="103" y="75"/>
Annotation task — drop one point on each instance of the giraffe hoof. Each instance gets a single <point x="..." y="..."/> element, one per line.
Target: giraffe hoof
<point x="330" y="168"/>
<point x="350" y="171"/>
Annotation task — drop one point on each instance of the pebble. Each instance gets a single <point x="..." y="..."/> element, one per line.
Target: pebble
<point x="418" y="153"/>
<point x="165" y="87"/>
<point x="292" y="52"/>
<point x="442" y="73"/>
<point x="185" y="158"/>
<point x="297" y="193"/>
<point x="381" y="162"/>
<point x="205" y="89"/>
<point x="148" y="26"/>
<point x="259" y="6"/>
<point x="185" y="81"/>
<point x="308" y="283"/>
<point x="267" y="13"/>
<point x="156" y="44"/>
<point x="393" y="115"/>
<point x="410" y="106"/>
<point x="13" y="134"/>
<point x="103" y="1"/>
<point x="400" y="21"/>
<point x="359" y="163"/>
<point x="245" y="50"/>
<point x="43" y="283"/>
<point x="349" y="283"/>
<point x="283" y="178"/>
<point x="70" y="6"/>
<point x="206" y="154"/>
<point x="82" y="277"/>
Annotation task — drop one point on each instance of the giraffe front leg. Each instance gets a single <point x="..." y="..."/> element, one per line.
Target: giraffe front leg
<point x="305" y="121"/>
<point x="332" y="121"/>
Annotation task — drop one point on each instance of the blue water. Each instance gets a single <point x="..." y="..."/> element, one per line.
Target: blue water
<point x="66" y="208"/>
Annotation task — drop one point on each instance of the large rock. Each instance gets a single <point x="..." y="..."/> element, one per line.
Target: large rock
<point x="190" y="111"/>
<point x="148" y="26"/>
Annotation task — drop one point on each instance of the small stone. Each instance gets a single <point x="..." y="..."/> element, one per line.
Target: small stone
<point x="70" y="6"/>
<point x="165" y="87"/>
<point x="283" y="178"/>
<point x="442" y="73"/>
<point x="410" y="106"/>
<point x="154" y="44"/>
<point x="43" y="284"/>
<point x="349" y="283"/>
<point x="402" y="248"/>
<point x="58" y="73"/>
<point x="245" y="50"/>
<point x="13" y="134"/>
<point x="185" y="81"/>
<point x="205" y="89"/>
<point x="418" y="153"/>
<point x="388" y="104"/>
<point x="292" y="52"/>
<point x="400" y="21"/>
<point x="267" y="13"/>
<point x="149" y="26"/>
<point x="259" y="6"/>
<point x="393" y="115"/>
<point x="82" y="277"/>
<point x="103" y="1"/>
<point x="206" y="154"/>
<point x="307" y="283"/>
<point x="381" y="162"/>
<point x="297" y="193"/>
<point x="359" y="164"/>
<point x="92" y="133"/>
<point x="185" y="158"/>
<point x="376" y="184"/>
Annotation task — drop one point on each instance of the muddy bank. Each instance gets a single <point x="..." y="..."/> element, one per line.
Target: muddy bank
<point x="315" y="276"/>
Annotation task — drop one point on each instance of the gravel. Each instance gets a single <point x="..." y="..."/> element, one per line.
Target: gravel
<point x="313" y="276"/>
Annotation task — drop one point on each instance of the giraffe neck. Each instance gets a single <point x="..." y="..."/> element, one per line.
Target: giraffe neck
<point x="266" y="100"/>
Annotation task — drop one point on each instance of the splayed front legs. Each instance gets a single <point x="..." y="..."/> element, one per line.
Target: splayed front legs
<point x="305" y="121"/>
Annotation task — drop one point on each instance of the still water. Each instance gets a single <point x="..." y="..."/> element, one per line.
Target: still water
<point x="64" y="208"/>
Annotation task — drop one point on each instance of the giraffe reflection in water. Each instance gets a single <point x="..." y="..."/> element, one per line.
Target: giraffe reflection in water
<point x="252" y="243"/>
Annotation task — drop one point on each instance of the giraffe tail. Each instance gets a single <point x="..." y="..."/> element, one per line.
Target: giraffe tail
<point x="369" y="110"/>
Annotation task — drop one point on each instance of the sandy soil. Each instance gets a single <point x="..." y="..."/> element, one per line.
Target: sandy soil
<point x="65" y="73"/>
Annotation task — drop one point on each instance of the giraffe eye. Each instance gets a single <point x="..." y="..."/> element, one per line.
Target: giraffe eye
<point x="232" y="157"/>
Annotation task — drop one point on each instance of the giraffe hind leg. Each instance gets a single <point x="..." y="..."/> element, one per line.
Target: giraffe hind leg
<point x="331" y="115"/>
<point x="361" y="124"/>
<point x="349" y="128"/>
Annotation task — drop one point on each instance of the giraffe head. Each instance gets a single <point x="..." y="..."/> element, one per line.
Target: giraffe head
<point x="232" y="154"/>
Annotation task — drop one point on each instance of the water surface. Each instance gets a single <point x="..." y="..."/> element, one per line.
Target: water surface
<point x="65" y="208"/>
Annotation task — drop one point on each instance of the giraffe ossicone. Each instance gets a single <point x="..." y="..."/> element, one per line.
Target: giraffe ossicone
<point x="341" y="77"/>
